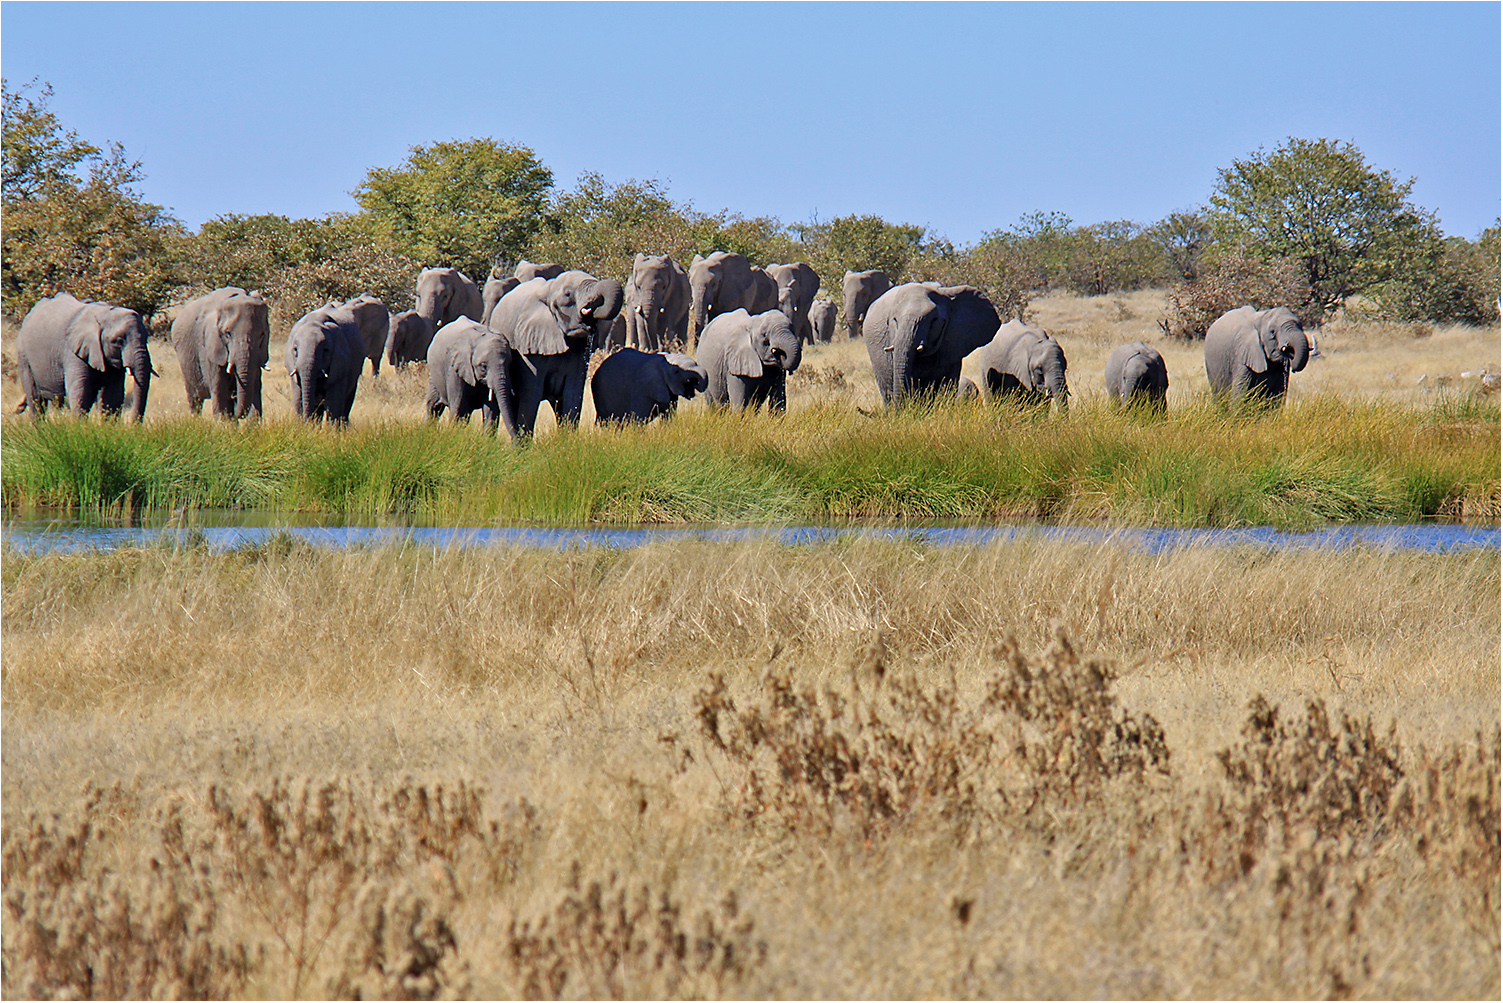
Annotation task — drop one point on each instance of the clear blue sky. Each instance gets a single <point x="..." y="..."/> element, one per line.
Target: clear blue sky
<point x="960" y="117"/>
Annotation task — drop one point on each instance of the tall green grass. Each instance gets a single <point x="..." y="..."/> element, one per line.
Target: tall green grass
<point x="1316" y="462"/>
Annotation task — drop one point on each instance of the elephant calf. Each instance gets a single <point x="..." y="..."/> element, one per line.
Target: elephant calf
<point x="1137" y="373"/>
<point x="1250" y="353"/>
<point x="631" y="385"/>
<point x="748" y="358"/>
<point x="469" y="368"/>
<point x="1025" y="363"/>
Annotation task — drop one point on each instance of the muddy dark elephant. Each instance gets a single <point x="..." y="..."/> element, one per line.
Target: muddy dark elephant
<point x="469" y="369"/>
<point x="797" y="285"/>
<point x="1250" y="353"/>
<point x="324" y="357"/>
<point x="1025" y="363"/>
<point x="860" y="290"/>
<point x="917" y="335"/>
<point x="657" y="303"/>
<point x="76" y="352"/>
<point x="631" y="385"/>
<point x="552" y="326"/>
<point x="748" y="359"/>
<point x="223" y="342"/>
<point x="723" y="282"/>
<point x="1136" y="374"/>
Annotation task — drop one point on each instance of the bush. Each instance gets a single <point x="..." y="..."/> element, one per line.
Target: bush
<point x="1237" y="280"/>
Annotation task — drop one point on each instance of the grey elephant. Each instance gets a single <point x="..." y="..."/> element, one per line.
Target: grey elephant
<point x="797" y="285"/>
<point x="822" y="317"/>
<point x="968" y="390"/>
<point x="552" y="325"/>
<point x="1250" y="353"/>
<point x="1025" y="363"/>
<point x="77" y="352"/>
<point x="325" y="355"/>
<point x="860" y="290"/>
<point x="469" y="368"/>
<point x="502" y="281"/>
<point x="408" y="336"/>
<point x="374" y="322"/>
<point x="917" y="335"/>
<point x="723" y="282"/>
<point x="447" y="294"/>
<point x="657" y="303"/>
<point x="748" y="358"/>
<point x="632" y="385"/>
<point x="223" y="342"/>
<point x="1136" y="374"/>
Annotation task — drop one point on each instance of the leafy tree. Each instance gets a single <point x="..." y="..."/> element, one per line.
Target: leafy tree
<point x="1319" y="203"/>
<point x="1234" y="280"/>
<point x="1183" y="238"/>
<point x="857" y="244"/>
<point x="93" y="235"/>
<point x="464" y="205"/>
<point x="1112" y="256"/>
<point x="1045" y="240"/>
<point x="1439" y="278"/>
<point x="600" y="228"/>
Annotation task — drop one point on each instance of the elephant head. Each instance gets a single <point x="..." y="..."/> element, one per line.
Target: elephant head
<point x="446" y="294"/>
<point x="723" y="282"/>
<point x="1026" y="361"/>
<point x="1136" y="373"/>
<point x="112" y="339"/>
<point x="797" y="285"/>
<point x="917" y="336"/>
<point x="488" y="365"/>
<point x="239" y="343"/>
<point x="552" y="316"/>
<point x="528" y="270"/>
<point x="769" y="344"/>
<point x="323" y="356"/>
<point x="682" y="376"/>
<point x="1282" y="340"/>
<point x="657" y="299"/>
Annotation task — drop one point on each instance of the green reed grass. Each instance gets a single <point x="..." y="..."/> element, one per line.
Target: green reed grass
<point x="1326" y="460"/>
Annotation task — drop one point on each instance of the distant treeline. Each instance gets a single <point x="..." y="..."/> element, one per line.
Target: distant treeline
<point x="1310" y="225"/>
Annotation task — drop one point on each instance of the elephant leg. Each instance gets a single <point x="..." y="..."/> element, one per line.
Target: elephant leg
<point x="112" y="392"/>
<point x="739" y="392"/>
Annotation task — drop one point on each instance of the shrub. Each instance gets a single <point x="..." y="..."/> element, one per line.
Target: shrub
<point x="1233" y="281"/>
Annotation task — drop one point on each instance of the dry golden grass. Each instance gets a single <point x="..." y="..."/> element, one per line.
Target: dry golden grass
<point x="1363" y="360"/>
<point x="487" y="773"/>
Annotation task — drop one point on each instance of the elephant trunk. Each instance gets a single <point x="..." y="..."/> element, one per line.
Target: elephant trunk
<point x="1059" y="390"/>
<point x="1301" y="354"/>
<point x="140" y="370"/>
<point x="310" y="391"/>
<point x="650" y="313"/>
<point x="699" y="312"/>
<point x="501" y="397"/>
<point x="793" y="350"/>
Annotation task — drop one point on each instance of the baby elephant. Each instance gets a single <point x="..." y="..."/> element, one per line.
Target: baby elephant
<point x="638" y="386"/>
<point x="468" y="369"/>
<point x="1136" y="373"/>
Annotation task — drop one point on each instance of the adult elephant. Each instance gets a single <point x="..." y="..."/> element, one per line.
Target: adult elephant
<point x="657" y="303"/>
<point x="469" y="368"/>
<point x="918" y="334"/>
<point x="631" y="385"/>
<point x="223" y="342"/>
<point x="822" y="316"/>
<point x="723" y="282"/>
<point x="552" y="325"/>
<point x="447" y="294"/>
<point x="797" y="284"/>
<point x="76" y="352"/>
<point x="1136" y="373"/>
<point x="860" y="290"/>
<point x="374" y="321"/>
<point x="408" y="336"/>
<point x="324" y="357"/>
<point x="1250" y="353"/>
<point x="1025" y="363"/>
<point x="748" y="358"/>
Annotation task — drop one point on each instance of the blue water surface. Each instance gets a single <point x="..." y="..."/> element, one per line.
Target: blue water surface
<point x="33" y="536"/>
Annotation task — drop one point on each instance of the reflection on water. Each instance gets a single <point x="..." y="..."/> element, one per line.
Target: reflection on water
<point x="225" y="531"/>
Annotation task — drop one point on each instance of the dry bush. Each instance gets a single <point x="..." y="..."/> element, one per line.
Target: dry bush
<point x="1237" y="281"/>
<point x="610" y="941"/>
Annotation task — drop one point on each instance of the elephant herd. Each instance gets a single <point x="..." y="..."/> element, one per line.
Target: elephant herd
<point x="528" y="337"/>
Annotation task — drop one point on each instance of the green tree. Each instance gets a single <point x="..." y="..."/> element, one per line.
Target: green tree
<point x="465" y="205"/>
<point x="1318" y="202"/>
<point x="1183" y="238"/>
<point x="858" y="244"/>
<point x="1439" y="278"/>
<point x="90" y="234"/>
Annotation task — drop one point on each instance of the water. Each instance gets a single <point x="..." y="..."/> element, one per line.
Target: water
<point x="226" y="531"/>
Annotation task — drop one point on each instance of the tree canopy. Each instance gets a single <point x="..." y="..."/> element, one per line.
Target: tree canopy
<point x="462" y="205"/>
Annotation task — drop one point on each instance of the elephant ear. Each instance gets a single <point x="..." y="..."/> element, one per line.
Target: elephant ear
<point x="537" y="331"/>
<point x="973" y="320"/>
<point x="691" y="373"/>
<point x="86" y="340"/>
<point x="1267" y="327"/>
<point x="217" y="341"/>
<point x="743" y="354"/>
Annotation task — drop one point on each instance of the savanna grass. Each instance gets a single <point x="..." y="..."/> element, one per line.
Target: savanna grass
<point x="1324" y="460"/>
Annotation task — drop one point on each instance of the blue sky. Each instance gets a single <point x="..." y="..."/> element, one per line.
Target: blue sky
<point x="959" y="117"/>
